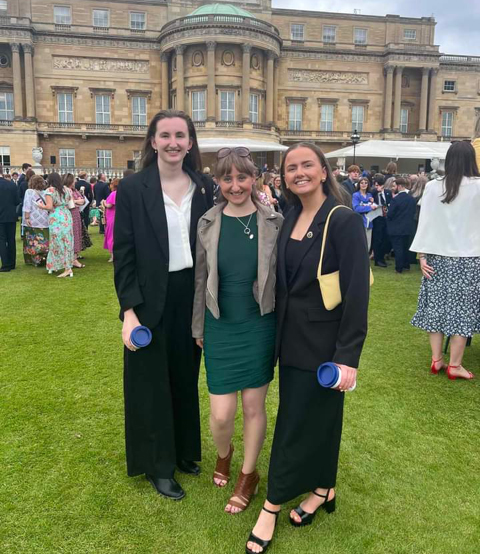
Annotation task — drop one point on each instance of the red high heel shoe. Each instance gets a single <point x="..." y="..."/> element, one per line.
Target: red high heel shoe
<point x="453" y="377"/>
<point x="433" y="367"/>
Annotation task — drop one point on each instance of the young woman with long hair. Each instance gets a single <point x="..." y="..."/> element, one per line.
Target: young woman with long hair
<point x="448" y="243"/>
<point x="233" y="317"/>
<point x="156" y="216"/>
<point x="308" y="429"/>
<point x="78" y="200"/>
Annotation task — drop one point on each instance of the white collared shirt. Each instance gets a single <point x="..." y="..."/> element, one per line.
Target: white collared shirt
<point x="178" y="223"/>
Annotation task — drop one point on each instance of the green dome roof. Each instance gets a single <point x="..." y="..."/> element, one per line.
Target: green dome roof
<point x="221" y="9"/>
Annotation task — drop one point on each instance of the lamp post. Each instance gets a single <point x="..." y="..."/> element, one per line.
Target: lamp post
<point x="355" y="138"/>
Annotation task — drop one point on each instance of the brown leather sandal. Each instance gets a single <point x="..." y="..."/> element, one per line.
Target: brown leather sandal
<point x="222" y="468"/>
<point x="246" y="487"/>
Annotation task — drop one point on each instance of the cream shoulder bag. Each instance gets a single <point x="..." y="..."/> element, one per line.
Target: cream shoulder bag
<point x="330" y="283"/>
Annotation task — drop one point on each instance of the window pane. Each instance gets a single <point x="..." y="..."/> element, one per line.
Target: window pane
<point x="137" y="20"/>
<point x="410" y="34"/>
<point x="6" y="106"/>
<point x="295" y="117"/>
<point x="227" y="105"/>
<point x="139" y="110"/>
<point x="100" y="18"/>
<point x="360" y="36"/>
<point x="198" y="106"/>
<point x="254" y="108"/>
<point x="329" y="33"/>
<point x="357" y="118"/>
<point x="62" y="15"/>
<point x="104" y="159"/>
<point x="447" y="124"/>
<point x="297" y="31"/>
<point x="326" y="117"/>
<point x="404" y="120"/>
<point x="102" y="109"/>
<point x="449" y="86"/>
<point x="3" y="5"/>
<point x="65" y="108"/>
<point x="67" y="157"/>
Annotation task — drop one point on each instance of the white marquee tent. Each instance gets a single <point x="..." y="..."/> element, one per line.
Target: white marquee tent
<point x="394" y="150"/>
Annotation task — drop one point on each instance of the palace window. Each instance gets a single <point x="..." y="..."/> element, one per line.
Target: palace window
<point x="326" y="117"/>
<point x="404" y="120"/>
<point x="447" y="124"/>
<point x="104" y="159"/>
<point x="295" y="116"/>
<point x="65" y="107"/>
<point x="101" y="18"/>
<point x="62" y="15"/>
<point x="358" y="115"/>
<point x="227" y="105"/>
<point x="138" y="21"/>
<point x="4" y="156"/>
<point x="67" y="157"/>
<point x="3" y="5"/>
<point x="6" y="106"/>
<point x="198" y="105"/>
<point x="139" y="110"/>
<point x="254" y="108"/>
<point x="329" y="33"/>
<point x="410" y="34"/>
<point x="449" y="86"/>
<point x="102" y="109"/>
<point x="297" y="31"/>
<point x="360" y="36"/>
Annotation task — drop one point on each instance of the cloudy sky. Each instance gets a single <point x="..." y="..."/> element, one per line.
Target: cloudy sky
<point x="458" y="21"/>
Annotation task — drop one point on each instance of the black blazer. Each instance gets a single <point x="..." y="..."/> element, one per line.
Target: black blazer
<point x="9" y="199"/>
<point x="140" y="247"/>
<point x="101" y="190"/>
<point x="88" y="189"/>
<point x="388" y="197"/>
<point x="308" y="334"/>
<point x="401" y="215"/>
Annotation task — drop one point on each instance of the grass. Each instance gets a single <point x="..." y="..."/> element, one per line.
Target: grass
<point x="409" y="467"/>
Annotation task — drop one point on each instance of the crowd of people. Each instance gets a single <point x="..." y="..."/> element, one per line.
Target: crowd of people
<point x="256" y="267"/>
<point x="55" y="212"/>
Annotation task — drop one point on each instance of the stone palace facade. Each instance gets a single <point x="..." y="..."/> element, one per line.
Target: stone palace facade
<point x="81" y="79"/>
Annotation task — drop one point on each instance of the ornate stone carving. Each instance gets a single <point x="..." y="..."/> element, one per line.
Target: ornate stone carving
<point x="95" y="42"/>
<point x="271" y="55"/>
<point x="4" y="61"/>
<point x="197" y="58"/>
<point x="180" y="49"/>
<point x="255" y="62"/>
<point x="405" y="81"/>
<point x="77" y="63"/>
<point x="228" y="58"/>
<point x="28" y="48"/>
<point x="246" y="48"/>
<point x="164" y="57"/>
<point x="331" y="56"/>
<point x="138" y="92"/>
<point x="37" y="154"/>
<point x="102" y="91"/>
<point x="15" y="47"/>
<point x="211" y="45"/>
<point x="337" y="77"/>
<point x="16" y="34"/>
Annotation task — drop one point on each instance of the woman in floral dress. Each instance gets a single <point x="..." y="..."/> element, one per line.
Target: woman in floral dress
<point x="78" y="200"/>
<point x="35" y="223"/>
<point x="57" y="199"/>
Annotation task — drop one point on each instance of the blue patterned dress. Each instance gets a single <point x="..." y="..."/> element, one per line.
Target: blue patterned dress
<point x="60" y="255"/>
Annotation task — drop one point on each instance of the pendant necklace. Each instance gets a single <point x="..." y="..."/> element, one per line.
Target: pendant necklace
<point x="247" y="229"/>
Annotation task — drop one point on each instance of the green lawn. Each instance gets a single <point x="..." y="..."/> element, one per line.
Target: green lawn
<point x="409" y="467"/>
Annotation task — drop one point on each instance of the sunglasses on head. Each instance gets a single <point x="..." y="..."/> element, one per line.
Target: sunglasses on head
<point x="239" y="150"/>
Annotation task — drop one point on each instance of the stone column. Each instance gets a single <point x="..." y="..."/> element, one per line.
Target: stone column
<point x="17" y="81"/>
<point x="276" y="71"/>
<point x="270" y="67"/>
<point x="398" y="98"/>
<point x="165" y="88"/>
<point x="422" y="124"/>
<point x="180" y="77"/>
<point x="387" y="114"/>
<point x="432" y="105"/>
<point x="211" y="115"/>
<point x="29" y="80"/>
<point x="246" y="82"/>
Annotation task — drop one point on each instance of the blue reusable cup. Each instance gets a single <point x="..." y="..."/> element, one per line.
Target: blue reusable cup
<point x="329" y="376"/>
<point x="141" y="336"/>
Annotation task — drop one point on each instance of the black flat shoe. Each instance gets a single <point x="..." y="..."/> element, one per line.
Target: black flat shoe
<point x="257" y="540"/>
<point x="190" y="468"/>
<point x="169" y="488"/>
<point x="306" y="517"/>
<point x="380" y="264"/>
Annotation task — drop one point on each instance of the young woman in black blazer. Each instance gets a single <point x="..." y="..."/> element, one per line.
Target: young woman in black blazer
<point x="309" y="422"/>
<point x="157" y="212"/>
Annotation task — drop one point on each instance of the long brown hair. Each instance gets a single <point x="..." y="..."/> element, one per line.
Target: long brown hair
<point x="460" y="162"/>
<point x="54" y="180"/>
<point x="68" y="180"/>
<point x="192" y="160"/>
<point x="330" y="186"/>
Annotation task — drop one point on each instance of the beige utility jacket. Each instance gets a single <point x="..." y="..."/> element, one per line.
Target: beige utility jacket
<point x="206" y="270"/>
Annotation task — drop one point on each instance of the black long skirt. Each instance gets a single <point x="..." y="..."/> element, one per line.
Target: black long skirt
<point x="162" y="416"/>
<point x="308" y="431"/>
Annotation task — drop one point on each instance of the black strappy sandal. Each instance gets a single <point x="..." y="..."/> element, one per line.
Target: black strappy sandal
<point x="306" y="517"/>
<point x="261" y="543"/>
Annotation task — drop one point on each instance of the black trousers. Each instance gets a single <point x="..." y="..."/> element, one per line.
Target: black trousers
<point x="162" y="415"/>
<point x="380" y="239"/>
<point x="308" y="431"/>
<point x="400" y="247"/>
<point x="8" y="251"/>
<point x="86" y="216"/>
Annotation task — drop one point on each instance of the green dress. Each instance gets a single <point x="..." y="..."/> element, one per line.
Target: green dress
<point x="239" y="347"/>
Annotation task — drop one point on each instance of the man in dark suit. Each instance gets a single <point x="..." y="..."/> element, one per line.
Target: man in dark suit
<point x="380" y="241"/>
<point x="101" y="190"/>
<point x="22" y="180"/>
<point x="401" y="223"/>
<point x="350" y="184"/>
<point x="9" y="199"/>
<point x="87" y="192"/>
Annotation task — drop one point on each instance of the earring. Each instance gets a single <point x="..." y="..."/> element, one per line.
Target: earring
<point x="156" y="151"/>
<point x="188" y="151"/>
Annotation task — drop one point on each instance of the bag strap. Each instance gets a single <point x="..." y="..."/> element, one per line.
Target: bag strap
<point x="324" y="239"/>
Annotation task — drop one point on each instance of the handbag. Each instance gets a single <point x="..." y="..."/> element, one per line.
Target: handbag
<point x="330" y="282"/>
